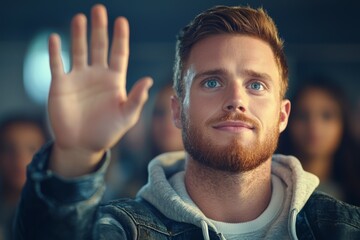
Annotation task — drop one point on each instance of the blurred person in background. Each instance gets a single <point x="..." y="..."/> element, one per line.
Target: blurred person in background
<point x="127" y="170"/>
<point x="20" y="137"/>
<point x="318" y="134"/>
<point x="164" y="135"/>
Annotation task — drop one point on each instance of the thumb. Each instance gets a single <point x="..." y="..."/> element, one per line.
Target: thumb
<point x="138" y="96"/>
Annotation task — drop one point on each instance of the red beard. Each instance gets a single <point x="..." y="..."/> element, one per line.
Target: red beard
<point x="234" y="157"/>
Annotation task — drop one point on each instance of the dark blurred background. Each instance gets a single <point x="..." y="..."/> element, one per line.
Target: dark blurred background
<point x="322" y="37"/>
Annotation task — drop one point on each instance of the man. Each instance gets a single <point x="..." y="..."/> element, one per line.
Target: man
<point x="230" y="81"/>
<point x="20" y="137"/>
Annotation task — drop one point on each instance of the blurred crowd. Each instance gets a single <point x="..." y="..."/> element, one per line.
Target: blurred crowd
<point x="21" y="135"/>
<point x="323" y="132"/>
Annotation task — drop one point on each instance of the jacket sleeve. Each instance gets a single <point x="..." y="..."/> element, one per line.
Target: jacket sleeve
<point x="54" y="208"/>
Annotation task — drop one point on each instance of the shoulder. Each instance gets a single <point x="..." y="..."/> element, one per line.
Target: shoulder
<point x="328" y="217"/>
<point x="137" y="219"/>
<point x="324" y="206"/>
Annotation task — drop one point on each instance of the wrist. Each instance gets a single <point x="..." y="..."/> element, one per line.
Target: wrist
<point x="74" y="162"/>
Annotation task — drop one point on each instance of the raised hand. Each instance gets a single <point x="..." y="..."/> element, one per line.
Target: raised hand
<point x="89" y="107"/>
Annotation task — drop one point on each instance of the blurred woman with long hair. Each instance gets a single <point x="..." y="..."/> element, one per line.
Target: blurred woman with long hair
<point x="318" y="134"/>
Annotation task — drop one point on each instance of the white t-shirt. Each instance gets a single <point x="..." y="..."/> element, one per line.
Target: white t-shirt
<point x="256" y="228"/>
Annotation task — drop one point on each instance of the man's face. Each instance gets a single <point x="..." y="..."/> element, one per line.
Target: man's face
<point x="232" y="114"/>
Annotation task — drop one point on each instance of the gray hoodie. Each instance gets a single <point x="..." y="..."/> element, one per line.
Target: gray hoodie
<point x="298" y="185"/>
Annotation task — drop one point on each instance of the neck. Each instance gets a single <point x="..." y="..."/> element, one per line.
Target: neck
<point x="229" y="197"/>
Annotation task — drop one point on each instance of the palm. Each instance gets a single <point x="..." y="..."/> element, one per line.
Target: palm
<point x="89" y="107"/>
<point x="85" y="109"/>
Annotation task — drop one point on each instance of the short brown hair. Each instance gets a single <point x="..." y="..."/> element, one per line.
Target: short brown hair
<point x="224" y="19"/>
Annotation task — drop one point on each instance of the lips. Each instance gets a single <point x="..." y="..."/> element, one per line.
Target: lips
<point x="233" y="125"/>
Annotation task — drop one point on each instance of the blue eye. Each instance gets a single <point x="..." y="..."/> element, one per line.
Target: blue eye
<point x="256" y="86"/>
<point x="212" y="83"/>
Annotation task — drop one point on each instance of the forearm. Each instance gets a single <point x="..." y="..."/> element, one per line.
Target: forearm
<point x="55" y="208"/>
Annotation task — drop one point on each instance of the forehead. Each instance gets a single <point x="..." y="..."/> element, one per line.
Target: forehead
<point x="315" y="97"/>
<point x="233" y="52"/>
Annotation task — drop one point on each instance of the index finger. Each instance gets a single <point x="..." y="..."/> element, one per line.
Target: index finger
<point x="56" y="64"/>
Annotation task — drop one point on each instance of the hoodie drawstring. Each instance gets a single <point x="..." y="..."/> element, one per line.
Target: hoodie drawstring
<point x="292" y="224"/>
<point x="205" y="230"/>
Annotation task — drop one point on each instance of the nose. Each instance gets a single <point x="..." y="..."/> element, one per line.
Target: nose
<point x="234" y="99"/>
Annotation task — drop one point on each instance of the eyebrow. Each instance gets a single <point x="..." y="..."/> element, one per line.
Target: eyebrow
<point x="256" y="74"/>
<point x="224" y="72"/>
<point x="220" y="71"/>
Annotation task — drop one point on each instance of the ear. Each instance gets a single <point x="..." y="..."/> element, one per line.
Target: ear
<point x="284" y="114"/>
<point x="176" y="111"/>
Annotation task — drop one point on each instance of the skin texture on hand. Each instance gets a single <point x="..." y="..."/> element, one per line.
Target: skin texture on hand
<point x="89" y="107"/>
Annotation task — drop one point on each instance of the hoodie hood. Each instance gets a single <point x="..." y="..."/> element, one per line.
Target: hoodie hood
<point x="159" y="192"/>
<point x="301" y="184"/>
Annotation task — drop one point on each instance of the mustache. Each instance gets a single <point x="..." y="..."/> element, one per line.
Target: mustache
<point x="233" y="117"/>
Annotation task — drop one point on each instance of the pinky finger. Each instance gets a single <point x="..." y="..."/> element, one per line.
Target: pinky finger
<point x="56" y="64"/>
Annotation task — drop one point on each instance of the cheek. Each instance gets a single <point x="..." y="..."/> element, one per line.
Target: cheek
<point x="202" y="106"/>
<point x="265" y="111"/>
<point x="196" y="114"/>
<point x="202" y="109"/>
<point x="334" y="132"/>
